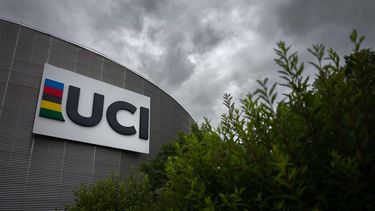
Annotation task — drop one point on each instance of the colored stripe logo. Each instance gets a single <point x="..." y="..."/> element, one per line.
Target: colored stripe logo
<point x="50" y="107"/>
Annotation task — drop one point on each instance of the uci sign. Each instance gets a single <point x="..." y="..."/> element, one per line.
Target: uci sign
<point x="75" y="107"/>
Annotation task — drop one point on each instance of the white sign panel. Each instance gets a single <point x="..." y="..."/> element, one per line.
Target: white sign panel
<point x="78" y="108"/>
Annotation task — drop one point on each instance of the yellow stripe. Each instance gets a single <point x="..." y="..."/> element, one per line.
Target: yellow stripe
<point x="51" y="106"/>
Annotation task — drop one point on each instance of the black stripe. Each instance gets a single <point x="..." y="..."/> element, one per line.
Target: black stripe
<point x="51" y="98"/>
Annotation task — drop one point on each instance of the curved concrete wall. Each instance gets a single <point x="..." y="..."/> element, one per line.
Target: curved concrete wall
<point x="39" y="172"/>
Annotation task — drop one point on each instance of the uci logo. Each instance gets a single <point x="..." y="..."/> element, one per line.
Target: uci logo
<point x="51" y="107"/>
<point x="74" y="107"/>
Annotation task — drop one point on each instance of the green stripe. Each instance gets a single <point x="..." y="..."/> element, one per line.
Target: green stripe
<point x="51" y="114"/>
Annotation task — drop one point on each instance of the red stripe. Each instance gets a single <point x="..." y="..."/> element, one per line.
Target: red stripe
<point x="53" y="91"/>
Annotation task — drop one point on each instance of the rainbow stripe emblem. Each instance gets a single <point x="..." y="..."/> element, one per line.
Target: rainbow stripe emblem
<point x="50" y="107"/>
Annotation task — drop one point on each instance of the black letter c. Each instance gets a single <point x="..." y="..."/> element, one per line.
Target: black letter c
<point x="112" y="117"/>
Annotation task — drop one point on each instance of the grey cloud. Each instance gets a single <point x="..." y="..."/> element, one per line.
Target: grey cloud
<point x="203" y="94"/>
<point x="177" y="67"/>
<point x="152" y="33"/>
<point x="302" y="17"/>
<point x="249" y="69"/>
<point x="34" y="13"/>
<point x="156" y="7"/>
<point x="206" y="37"/>
<point x="303" y="23"/>
<point x="120" y="14"/>
<point x="171" y="69"/>
<point x="329" y="22"/>
<point x="180" y="29"/>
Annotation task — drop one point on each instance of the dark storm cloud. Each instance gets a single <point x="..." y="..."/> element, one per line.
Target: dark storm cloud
<point x="32" y="13"/>
<point x="199" y="50"/>
<point x="120" y="14"/>
<point x="302" y="17"/>
<point x="303" y="23"/>
<point x="181" y="34"/>
<point x="329" y="22"/>
<point x="129" y="14"/>
<point x="170" y="31"/>
<point x="206" y="37"/>
<point x="177" y="66"/>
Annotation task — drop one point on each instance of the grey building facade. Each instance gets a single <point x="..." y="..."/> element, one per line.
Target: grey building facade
<point x="39" y="172"/>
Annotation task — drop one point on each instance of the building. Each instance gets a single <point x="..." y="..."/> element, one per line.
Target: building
<point x="39" y="172"/>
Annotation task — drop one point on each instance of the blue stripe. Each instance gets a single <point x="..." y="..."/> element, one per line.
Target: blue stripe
<point x="54" y="84"/>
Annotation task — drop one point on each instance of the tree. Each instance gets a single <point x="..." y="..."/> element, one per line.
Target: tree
<point x="314" y="150"/>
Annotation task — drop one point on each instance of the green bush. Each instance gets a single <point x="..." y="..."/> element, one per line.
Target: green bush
<point x="313" y="150"/>
<point x="113" y="193"/>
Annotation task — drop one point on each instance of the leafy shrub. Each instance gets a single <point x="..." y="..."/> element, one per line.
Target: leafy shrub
<point x="113" y="193"/>
<point x="313" y="150"/>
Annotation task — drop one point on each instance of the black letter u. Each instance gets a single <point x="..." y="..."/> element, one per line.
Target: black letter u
<point x="72" y="108"/>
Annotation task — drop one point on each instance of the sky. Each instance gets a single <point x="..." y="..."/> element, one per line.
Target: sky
<point x="197" y="50"/>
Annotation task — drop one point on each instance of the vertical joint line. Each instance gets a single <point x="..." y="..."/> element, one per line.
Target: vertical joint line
<point x="28" y="171"/>
<point x="124" y="79"/>
<point x="10" y="71"/>
<point x="76" y="60"/>
<point x="102" y="69"/>
<point x="49" y="50"/>
<point x="143" y="86"/>
<point x="62" y="163"/>
<point x="93" y="165"/>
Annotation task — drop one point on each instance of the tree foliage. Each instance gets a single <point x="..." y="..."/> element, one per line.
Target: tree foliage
<point x="313" y="150"/>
